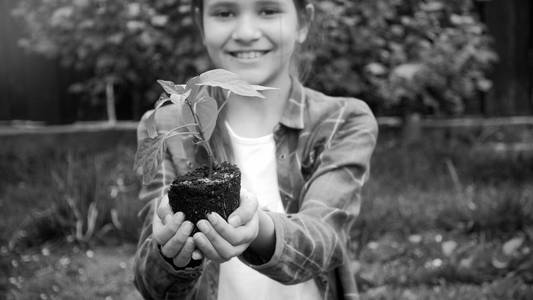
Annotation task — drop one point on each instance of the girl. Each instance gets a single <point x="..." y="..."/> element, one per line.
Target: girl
<point x="304" y="157"/>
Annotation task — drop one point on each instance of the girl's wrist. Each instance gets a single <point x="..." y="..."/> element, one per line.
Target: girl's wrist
<point x="265" y="242"/>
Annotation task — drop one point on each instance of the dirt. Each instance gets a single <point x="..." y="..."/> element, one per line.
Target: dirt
<point x="198" y="193"/>
<point x="68" y="272"/>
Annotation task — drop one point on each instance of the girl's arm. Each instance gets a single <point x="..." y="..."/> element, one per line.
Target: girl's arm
<point x="314" y="240"/>
<point x="154" y="276"/>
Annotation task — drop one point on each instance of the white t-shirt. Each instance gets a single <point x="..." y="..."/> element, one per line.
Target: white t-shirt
<point x="256" y="158"/>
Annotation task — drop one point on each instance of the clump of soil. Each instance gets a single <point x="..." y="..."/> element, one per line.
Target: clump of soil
<point x="198" y="193"/>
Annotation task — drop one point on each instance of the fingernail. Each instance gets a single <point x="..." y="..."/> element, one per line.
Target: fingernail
<point x="196" y="255"/>
<point x="234" y="221"/>
<point x="212" y="218"/>
<point x="179" y="215"/>
<point x="202" y="226"/>
<point x="187" y="226"/>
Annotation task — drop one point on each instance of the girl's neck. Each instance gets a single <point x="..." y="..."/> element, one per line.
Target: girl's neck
<point x="258" y="117"/>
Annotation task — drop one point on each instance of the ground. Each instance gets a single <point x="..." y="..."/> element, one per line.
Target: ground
<point x="448" y="217"/>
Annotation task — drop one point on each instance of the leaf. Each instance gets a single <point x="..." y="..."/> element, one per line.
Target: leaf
<point x="149" y="156"/>
<point x="171" y="88"/>
<point x="151" y="126"/>
<point x="230" y="81"/>
<point x="237" y="86"/>
<point x="207" y="111"/>
<point x="511" y="246"/>
<point x="262" y="88"/>
<point x="162" y="99"/>
<point x="449" y="247"/>
<point x="220" y="75"/>
<point x="415" y="238"/>
<point x="179" y="99"/>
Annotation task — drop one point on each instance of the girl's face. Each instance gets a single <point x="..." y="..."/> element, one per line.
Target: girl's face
<point x="253" y="38"/>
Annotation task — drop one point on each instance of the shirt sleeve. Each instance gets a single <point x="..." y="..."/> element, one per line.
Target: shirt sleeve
<point x="314" y="240"/>
<point x="154" y="276"/>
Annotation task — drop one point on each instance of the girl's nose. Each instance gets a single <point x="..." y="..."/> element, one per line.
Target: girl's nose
<point x="246" y="31"/>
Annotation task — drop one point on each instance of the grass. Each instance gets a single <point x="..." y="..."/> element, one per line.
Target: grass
<point x="444" y="218"/>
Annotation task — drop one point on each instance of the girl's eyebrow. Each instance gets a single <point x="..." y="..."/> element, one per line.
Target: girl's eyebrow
<point x="271" y="2"/>
<point x="218" y="3"/>
<point x="233" y="2"/>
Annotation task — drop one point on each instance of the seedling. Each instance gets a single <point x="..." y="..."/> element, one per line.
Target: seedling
<point x="198" y="117"/>
<point x="214" y="187"/>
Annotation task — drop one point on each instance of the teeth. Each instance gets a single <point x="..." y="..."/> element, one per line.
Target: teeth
<point x="248" y="54"/>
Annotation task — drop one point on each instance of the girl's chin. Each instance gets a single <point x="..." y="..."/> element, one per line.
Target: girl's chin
<point x="257" y="77"/>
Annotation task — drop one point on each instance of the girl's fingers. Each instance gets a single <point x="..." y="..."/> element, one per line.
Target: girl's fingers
<point x="235" y="236"/>
<point x="223" y="248"/>
<point x="162" y="232"/>
<point x="184" y="256"/>
<point x="202" y="243"/>
<point x="246" y="210"/>
<point x="164" y="209"/>
<point x="172" y="247"/>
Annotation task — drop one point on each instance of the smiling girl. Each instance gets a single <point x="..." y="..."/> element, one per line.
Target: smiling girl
<point x="304" y="158"/>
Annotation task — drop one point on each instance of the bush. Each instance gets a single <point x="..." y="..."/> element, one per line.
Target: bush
<point x="82" y="196"/>
<point x="414" y="55"/>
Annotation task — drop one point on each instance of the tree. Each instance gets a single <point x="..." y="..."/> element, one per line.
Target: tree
<point x="426" y="56"/>
<point x="121" y="43"/>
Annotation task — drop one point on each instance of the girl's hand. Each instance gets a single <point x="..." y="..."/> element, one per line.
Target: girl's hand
<point x="220" y="240"/>
<point x="171" y="232"/>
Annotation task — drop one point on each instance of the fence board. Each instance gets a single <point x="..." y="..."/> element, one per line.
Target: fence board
<point x="511" y="26"/>
<point x="32" y="87"/>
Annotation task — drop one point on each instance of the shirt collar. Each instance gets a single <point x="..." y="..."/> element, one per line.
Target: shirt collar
<point x="293" y="116"/>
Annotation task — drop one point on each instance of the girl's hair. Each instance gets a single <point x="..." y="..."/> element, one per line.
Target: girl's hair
<point x="220" y="140"/>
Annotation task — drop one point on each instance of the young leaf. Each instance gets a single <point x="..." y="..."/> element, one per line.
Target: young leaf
<point x="149" y="156"/>
<point x="237" y="86"/>
<point x="262" y="88"/>
<point x="229" y="81"/>
<point x="219" y="75"/>
<point x="207" y="111"/>
<point x="179" y="99"/>
<point x="151" y="126"/>
<point x="171" y="88"/>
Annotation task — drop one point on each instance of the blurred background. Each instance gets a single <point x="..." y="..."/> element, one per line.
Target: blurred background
<point x="447" y="214"/>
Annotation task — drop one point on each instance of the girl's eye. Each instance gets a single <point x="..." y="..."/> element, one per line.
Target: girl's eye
<point x="223" y="14"/>
<point x="269" y="11"/>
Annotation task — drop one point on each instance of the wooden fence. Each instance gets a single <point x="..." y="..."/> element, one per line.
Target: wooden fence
<point x="35" y="88"/>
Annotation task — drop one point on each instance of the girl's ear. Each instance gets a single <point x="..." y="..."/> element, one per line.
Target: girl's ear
<point x="307" y="20"/>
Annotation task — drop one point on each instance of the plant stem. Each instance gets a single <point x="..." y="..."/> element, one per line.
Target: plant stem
<point x="205" y="143"/>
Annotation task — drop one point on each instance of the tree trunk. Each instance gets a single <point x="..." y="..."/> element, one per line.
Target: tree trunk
<point x="411" y="128"/>
<point x="110" y="102"/>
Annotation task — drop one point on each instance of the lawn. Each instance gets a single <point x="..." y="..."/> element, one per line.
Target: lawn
<point x="448" y="217"/>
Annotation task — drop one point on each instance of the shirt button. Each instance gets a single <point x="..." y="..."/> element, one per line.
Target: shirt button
<point x="282" y="156"/>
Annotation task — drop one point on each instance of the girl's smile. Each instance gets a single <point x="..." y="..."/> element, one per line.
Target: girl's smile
<point x="253" y="38"/>
<point x="248" y="55"/>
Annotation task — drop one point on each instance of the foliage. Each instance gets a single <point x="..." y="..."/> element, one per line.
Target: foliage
<point x="418" y="55"/>
<point x="73" y="194"/>
<point x="197" y="115"/>
<point x="126" y="43"/>
<point x="422" y="55"/>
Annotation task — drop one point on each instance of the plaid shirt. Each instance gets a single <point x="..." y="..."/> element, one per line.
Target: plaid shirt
<point x="323" y="148"/>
